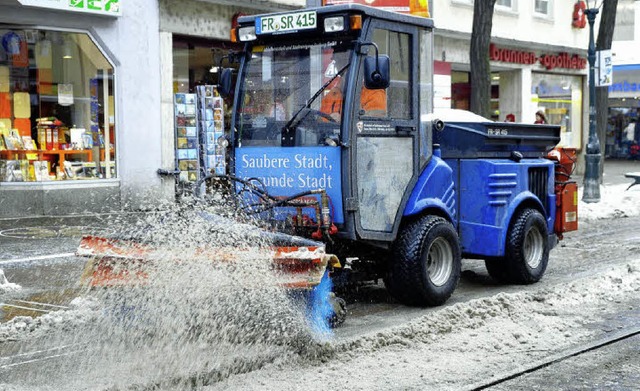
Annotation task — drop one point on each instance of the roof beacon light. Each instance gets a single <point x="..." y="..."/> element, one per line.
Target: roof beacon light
<point x="334" y="24"/>
<point x="247" y="33"/>
<point x="355" y="22"/>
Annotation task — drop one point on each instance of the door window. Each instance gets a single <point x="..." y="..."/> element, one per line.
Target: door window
<point x="376" y="103"/>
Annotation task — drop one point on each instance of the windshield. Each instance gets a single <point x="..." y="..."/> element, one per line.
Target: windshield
<point x="291" y="95"/>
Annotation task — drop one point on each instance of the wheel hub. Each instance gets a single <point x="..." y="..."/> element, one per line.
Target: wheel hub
<point x="533" y="247"/>
<point x="439" y="262"/>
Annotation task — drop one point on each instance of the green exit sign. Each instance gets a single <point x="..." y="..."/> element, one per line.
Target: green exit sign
<point x="99" y="7"/>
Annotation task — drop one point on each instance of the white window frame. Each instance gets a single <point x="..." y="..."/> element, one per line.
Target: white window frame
<point x="511" y="7"/>
<point x="548" y="14"/>
<point x="462" y="2"/>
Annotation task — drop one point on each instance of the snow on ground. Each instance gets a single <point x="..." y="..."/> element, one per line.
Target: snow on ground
<point x="615" y="201"/>
<point x="458" y="342"/>
<point x="25" y="327"/>
<point x="6" y="286"/>
<point x="455" y="115"/>
<point x="454" y="347"/>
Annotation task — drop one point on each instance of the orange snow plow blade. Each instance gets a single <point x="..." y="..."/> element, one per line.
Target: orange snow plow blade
<point x="117" y="262"/>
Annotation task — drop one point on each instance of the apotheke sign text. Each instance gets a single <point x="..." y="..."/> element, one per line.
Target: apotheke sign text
<point x="549" y="61"/>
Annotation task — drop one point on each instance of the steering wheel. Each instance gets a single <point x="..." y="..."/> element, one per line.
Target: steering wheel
<point x="321" y="114"/>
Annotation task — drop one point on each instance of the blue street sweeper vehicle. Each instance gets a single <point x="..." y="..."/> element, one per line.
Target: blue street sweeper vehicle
<point x="334" y="138"/>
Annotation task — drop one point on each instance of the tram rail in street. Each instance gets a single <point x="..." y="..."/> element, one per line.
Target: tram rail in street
<point x="9" y="362"/>
<point x="556" y="358"/>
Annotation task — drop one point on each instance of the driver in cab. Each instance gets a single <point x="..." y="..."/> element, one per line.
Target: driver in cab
<point x="372" y="102"/>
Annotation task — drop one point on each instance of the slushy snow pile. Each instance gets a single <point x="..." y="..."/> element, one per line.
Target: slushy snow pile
<point x="615" y="201"/>
<point x="6" y="286"/>
<point x="80" y="311"/>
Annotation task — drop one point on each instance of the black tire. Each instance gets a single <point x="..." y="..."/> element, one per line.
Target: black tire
<point x="339" y="314"/>
<point x="527" y="248"/>
<point x="426" y="264"/>
<point x="497" y="269"/>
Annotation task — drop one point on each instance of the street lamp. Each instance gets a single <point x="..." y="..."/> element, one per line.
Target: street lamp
<point x="593" y="156"/>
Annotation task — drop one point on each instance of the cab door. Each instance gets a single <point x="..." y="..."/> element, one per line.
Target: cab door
<point x="385" y="134"/>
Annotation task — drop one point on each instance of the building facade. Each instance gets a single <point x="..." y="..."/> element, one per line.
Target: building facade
<point x="87" y="93"/>
<point x="538" y="62"/>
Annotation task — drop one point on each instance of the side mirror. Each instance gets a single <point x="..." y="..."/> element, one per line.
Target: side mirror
<point x="224" y="83"/>
<point x="376" y="72"/>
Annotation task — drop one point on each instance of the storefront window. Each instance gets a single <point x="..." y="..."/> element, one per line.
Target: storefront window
<point x="559" y="97"/>
<point x="460" y="90"/>
<point x="196" y="61"/>
<point x="57" y="114"/>
<point x="495" y="96"/>
<point x="623" y="129"/>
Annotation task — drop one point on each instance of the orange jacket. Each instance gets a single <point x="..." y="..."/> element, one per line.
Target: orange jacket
<point x="332" y="102"/>
<point x="373" y="102"/>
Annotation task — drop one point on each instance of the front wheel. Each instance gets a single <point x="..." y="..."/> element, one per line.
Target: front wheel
<point x="426" y="262"/>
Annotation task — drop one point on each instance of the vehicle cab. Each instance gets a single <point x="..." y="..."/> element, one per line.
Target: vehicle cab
<point x="332" y="98"/>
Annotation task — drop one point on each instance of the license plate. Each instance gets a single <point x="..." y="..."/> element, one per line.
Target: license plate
<point x="286" y="22"/>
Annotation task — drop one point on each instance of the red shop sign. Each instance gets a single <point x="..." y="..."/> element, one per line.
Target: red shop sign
<point x="389" y="5"/>
<point x="549" y="61"/>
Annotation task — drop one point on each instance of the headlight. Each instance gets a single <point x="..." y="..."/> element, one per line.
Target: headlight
<point x="247" y="33"/>
<point x="334" y="24"/>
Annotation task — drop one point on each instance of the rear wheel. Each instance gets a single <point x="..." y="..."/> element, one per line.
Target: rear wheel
<point x="426" y="262"/>
<point x="527" y="251"/>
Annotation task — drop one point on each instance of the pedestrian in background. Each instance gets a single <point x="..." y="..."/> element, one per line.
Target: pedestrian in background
<point x="628" y="136"/>
<point x="540" y="118"/>
<point x="634" y="151"/>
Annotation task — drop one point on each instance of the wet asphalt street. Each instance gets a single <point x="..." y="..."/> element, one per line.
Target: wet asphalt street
<point x="39" y="255"/>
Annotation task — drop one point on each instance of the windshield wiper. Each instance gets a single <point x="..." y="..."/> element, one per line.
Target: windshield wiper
<point x="287" y="127"/>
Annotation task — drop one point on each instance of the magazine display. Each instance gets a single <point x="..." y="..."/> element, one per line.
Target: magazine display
<point x="14" y="170"/>
<point x="212" y="129"/>
<point x="41" y="170"/>
<point x="199" y="124"/>
<point x="24" y="159"/>
<point x="12" y="141"/>
<point x="187" y="143"/>
<point x="50" y="131"/>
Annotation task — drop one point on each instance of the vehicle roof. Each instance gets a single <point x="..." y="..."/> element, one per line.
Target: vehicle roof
<point x="363" y="9"/>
